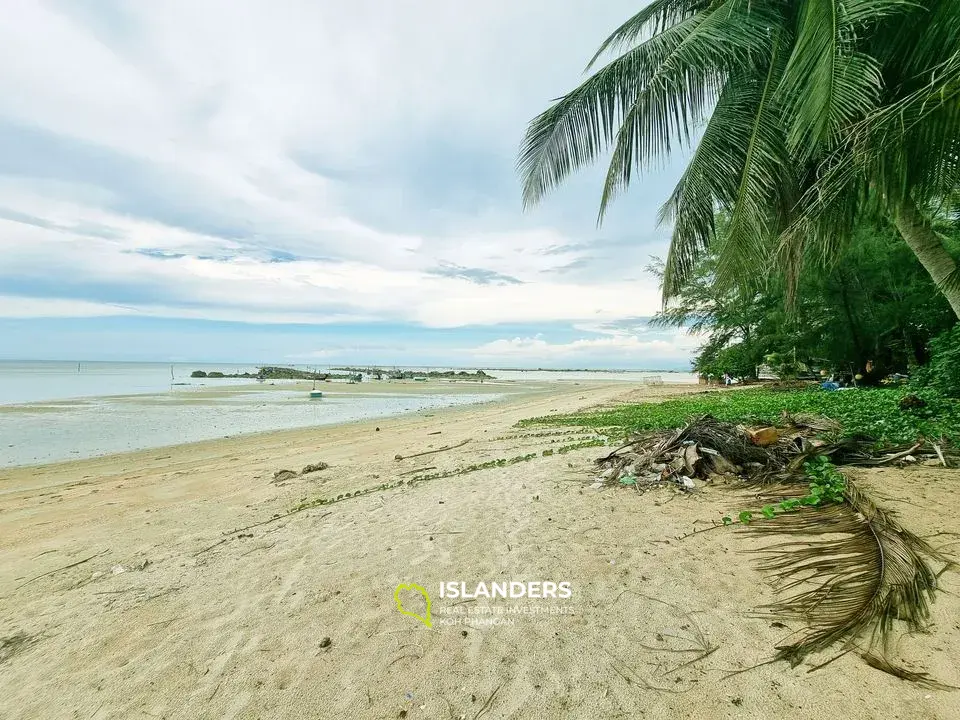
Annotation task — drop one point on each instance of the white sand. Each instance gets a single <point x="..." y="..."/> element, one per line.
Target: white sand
<point x="236" y="631"/>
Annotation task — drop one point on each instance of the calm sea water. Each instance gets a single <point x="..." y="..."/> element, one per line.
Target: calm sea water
<point x="28" y="382"/>
<point x="52" y="411"/>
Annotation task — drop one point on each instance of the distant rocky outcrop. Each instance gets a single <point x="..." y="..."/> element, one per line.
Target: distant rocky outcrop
<point x="411" y="374"/>
<point x="272" y="372"/>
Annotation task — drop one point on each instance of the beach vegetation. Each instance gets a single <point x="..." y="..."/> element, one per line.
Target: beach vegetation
<point x="874" y="312"/>
<point x="942" y="374"/>
<point x="874" y="412"/>
<point x="307" y="503"/>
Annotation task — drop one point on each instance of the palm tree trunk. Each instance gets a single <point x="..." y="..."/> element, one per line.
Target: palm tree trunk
<point x="929" y="250"/>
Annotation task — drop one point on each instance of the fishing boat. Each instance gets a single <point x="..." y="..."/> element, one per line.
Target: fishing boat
<point x="315" y="394"/>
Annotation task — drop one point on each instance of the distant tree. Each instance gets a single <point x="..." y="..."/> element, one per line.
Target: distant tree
<point x="875" y="305"/>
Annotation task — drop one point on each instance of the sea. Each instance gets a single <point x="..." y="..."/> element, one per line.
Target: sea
<point x="55" y="411"/>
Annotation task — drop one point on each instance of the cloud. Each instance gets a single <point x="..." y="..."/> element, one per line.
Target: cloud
<point x="474" y="275"/>
<point x="627" y="350"/>
<point x="286" y="161"/>
<point x="16" y="306"/>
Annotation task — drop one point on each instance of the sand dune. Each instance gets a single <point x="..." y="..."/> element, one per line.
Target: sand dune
<point x="296" y="617"/>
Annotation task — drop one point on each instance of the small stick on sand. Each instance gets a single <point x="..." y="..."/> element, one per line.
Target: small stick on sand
<point x="232" y="533"/>
<point x="487" y="703"/>
<point x="431" y="452"/>
<point x="418" y="470"/>
<point x="835" y="657"/>
<point x="65" y="567"/>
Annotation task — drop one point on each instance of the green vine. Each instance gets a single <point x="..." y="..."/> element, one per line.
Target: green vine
<point x="827" y="485"/>
<point x="306" y="504"/>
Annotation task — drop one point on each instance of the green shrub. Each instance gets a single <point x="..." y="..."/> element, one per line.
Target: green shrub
<point x="873" y="412"/>
<point x="942" y="373"/>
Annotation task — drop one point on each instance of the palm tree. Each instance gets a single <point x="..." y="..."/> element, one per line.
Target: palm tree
<point x="808" y="112"/>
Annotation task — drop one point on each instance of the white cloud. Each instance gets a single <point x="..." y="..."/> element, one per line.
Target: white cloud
<point x="157" y="123"/>
<point x="630" y="348"/>
<point x="13" y="306"/>
<point x="245" y="288"/>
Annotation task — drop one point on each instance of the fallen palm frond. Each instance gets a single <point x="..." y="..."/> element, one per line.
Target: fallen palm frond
<point x="15" y="644"/>
<point x="845" y="570"/>
<point x="921" y="678"/>
<point x="851" y="572"/>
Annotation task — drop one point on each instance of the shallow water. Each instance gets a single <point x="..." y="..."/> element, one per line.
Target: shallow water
<point x="52" y="411"/>
<point x="28" y="382"/>
<point x="82" y="428"/>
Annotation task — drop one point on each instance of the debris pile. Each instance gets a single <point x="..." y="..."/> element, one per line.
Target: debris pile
<point x="710" y="450"/>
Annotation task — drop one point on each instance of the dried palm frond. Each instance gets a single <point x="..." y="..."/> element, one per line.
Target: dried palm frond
<point x="923" y="679"/>
<point x="852" y="571"/>
<point x="818" y="423"/>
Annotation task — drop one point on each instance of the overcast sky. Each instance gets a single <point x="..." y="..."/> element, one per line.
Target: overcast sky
<point x="310" y="180"/>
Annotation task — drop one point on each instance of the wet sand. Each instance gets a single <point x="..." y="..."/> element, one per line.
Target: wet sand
<point x="55" y="431"/>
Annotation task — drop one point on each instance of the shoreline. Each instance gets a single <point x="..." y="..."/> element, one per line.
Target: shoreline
<point x="168" y="420"/>
<point x="297" y="436"/>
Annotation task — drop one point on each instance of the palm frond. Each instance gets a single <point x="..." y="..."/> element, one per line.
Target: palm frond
<point x="882" y="663"/>
<point x="582" y="124"/>
<point x="851" y="572"/>
<point x="906" y="152"/>
<point x="765" y="181"/>
<point x="654" y="18"/>
<point x="829" y="83"/>
<point x="935" y="35"/>
<point x="684" y="88"/>
<point x="644" y="101"/>
<point x="708" y="182"/>
<point x="912" y="143"/>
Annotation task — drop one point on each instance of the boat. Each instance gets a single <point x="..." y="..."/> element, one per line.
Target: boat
<point x="315" y="394"/>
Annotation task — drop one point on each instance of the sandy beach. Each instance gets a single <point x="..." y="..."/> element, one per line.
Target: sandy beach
<point x="126" y="590"/>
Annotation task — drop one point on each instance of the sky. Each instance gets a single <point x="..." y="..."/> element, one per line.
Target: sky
<point x="296" y="181"/>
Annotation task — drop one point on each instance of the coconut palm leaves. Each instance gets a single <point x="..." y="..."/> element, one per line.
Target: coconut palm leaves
<point x="848" y="573"/>
<point x="828" y="83"/>
<point x="644" y="102"/>
<point x="784" y="92"/>
<point x="908" y="153"/>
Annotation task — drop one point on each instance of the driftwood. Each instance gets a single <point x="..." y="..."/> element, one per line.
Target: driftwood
<point x="65" y="567"/>
<point x="418" y="470"/>
<point x="236" y="533"/>
<point x="707" y="448"/>
<point x="887" y="459"/>
<point x="431" y="452"/>
<point x="940" y="455"/>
